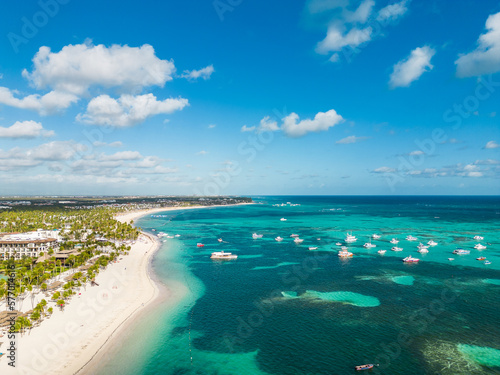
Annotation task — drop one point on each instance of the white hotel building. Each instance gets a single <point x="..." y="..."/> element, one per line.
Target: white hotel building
<point x="31" y="244"/>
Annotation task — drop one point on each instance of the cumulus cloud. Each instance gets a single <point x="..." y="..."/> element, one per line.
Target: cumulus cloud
<point x="410" y="69"/>
<point x="485" y="58"/>
<point x="492" y="144"/>
<point x="123" y="155"/>
<point x="349" y="27"/>
<point x="392" y="11"/>
<point x="128" y="110"/>
<point x="51" y="102"/>
<point x="25" y="129"/>
<point x="245" y="128"/>
<point x="202" y="152"/>
<point x="292" y="127"/>
<point x="77" y="67"/>
<point x="350" y="139"/>
<point x="204" y="73"/>
<point x="266" y="124"/>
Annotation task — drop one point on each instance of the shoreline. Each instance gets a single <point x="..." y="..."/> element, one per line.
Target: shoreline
<point x="75" y="341"/>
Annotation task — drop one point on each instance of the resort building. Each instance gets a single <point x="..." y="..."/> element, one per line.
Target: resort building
<point x="17" y="245"/>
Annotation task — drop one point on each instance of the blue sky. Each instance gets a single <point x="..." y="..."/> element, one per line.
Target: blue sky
<point x="250" y="97"/>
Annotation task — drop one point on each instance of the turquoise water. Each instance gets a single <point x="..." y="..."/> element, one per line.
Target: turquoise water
<point x="282" y="309"/>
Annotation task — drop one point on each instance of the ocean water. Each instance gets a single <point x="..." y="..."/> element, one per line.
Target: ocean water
<point x="283" y="309"/>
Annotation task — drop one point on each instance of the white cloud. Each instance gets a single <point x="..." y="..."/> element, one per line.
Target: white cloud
<point x="123" y="155"/>
<point x="77" y="67"/>
<point x="266" y="124"/>
<point x="51" y="102"/>
<point x="204" y="73"/>
<point x="384" y="170"/>
<point x="202" y="152"/>
<point x="393" y="11"/>
<point x="492" y="144"/>
<point x="128" y="110"/>
<point x="336" y="39"/>
<point x="103" y="144"/>
<point x="52" y="151"/>
<point x="321" y="122"/>
<point x="245" y="128"/>
<point x="25" y="129"/>
<point x="211" y="126"/>
<point x="351" y="139"/>
<point x="351" y="28"/>
<point x="485" y="58"/>
<point x="416" y="152"/>
<point x="410" y="69"/>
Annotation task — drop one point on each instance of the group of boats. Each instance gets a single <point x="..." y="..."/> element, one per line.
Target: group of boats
<point x="350" y="238"/>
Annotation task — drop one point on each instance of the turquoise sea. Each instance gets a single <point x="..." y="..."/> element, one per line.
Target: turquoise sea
<point x="283" y="309"/>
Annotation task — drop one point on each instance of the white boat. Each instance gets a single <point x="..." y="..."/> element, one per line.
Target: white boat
<point x="219" y="239"/>
<point x="381" y="252"/>
<point x="410" y="259"/>
<point x="422" y="246"/>
<point x="395" y="248"/>
<point x="279" y="239"/>
<point x="423" y="250"/>
<point x="297" y="240"/>
<point x="375" y="236"/>
<point x="339" y="244"/>
<point x="450" y="259"/>
<point x="282" y="219"/>
<point x="431" y="243"/>
<point x="170" y="236"/>
<point x="411" y="238"/>
<point x="487" y="262"/>
<point x="255" y="236"/>
<point x="177" y="235"/>
<point x="343" y="248"/>
<point x="313" y="248"/>
<point x="369" y="245"/>
<point x="161" y="234"/>
<point x="350" y="238"/>
<point x="394" y="241"/>
<point x="479" y="247"/>
<point x="294" y="235"/>
<point x="345" y="254"/>
<point x="461" y="251"/>
<point x="223" y="255"/>
<point x="478" y="238"/>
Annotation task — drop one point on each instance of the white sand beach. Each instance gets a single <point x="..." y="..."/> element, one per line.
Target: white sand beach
<point x="71" y="341"/>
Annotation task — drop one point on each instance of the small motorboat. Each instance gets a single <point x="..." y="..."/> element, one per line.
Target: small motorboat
<point x="219" y="239"/>
<point x="450" y="259"/>
<point x="381" y="252"/>
<point x="395" y="248"/>
<point x="294" y="235"/>
<point x="487" y="262"/>
<point x="282" y="219"/>
<point x="200" y="245"/>
<point x="376" y="236"/>
<point x="255" y="236"/>
<point x="313" y="248"/>
<point x="481" y="258"/>
<point x="432" y="243"/>
<point x="411" y="238"/>
<point x="461" y="252"/>
<point x="394" y="241"/>
<point x="279" y="239"/>
<point x="478" y="238"/>
<point x="297" y="240"/>
<point x="365" y="367"/>
<point x="479" y="247"/>
<point x="410" y="259"/>
<point x="339" y="244"/>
